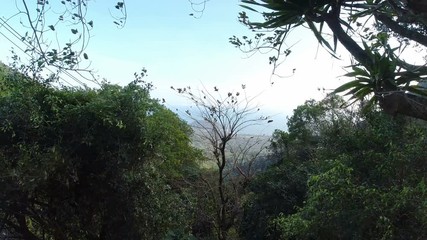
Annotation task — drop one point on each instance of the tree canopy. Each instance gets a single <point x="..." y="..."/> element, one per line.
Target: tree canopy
<point x="342" y="175"/>
<point x="114" y="163"/>
<point x="374" y="32"/>
<point x="90" y="164"/>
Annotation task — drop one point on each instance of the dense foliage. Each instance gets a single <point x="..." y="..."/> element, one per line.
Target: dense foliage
<point x="362" y="176"/>
<point x="91" y="164"/>
<point x="113" y="163"/>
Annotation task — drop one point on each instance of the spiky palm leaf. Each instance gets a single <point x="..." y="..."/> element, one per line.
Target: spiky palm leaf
<point x="290" y="14"/>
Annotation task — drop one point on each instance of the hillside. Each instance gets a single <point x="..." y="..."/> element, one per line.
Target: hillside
<point x="243" y="150"/>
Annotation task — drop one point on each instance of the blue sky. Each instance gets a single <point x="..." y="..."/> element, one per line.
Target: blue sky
<point x="179" y="50"/>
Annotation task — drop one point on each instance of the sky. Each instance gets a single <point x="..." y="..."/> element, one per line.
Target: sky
<point x="180" y="50"/>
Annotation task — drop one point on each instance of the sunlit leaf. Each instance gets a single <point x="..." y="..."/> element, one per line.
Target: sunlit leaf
<point x="349" y="85"/>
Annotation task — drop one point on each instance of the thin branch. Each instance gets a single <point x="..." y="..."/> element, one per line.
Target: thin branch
<point x="403" y="31"/>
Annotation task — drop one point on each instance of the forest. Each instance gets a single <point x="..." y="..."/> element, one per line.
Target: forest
<point x="113" y="162"/>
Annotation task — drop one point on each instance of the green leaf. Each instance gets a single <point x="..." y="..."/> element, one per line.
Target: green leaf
<point x="348" y="86"/>
<point x="320" y="38"/>
<point x="417" y="90"/>
<point x="363" y="93"/>
<point x="358" y="88"/>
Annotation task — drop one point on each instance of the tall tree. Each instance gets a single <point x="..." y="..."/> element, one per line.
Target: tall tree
<point x="86" y="164"/>
<point x="363" y="179"/>
<point x="281" y="190"/>
<point x="368" y="183"/>
<point x="374" y="32"/>
<point x="217" y="121"/>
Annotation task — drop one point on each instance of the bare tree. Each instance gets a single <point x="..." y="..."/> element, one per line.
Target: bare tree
<point x="218" y="120"/>
<point x="55" y="34"/>
<point x="244" y="155"/>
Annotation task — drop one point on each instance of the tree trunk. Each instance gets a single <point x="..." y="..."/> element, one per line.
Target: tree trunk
<point x="404" y="104"/>
<point x="392" y="103"/>
<point x="222" y="211"/>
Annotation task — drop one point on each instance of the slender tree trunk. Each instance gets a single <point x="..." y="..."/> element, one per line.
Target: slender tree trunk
<point x="222" y="211"/>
